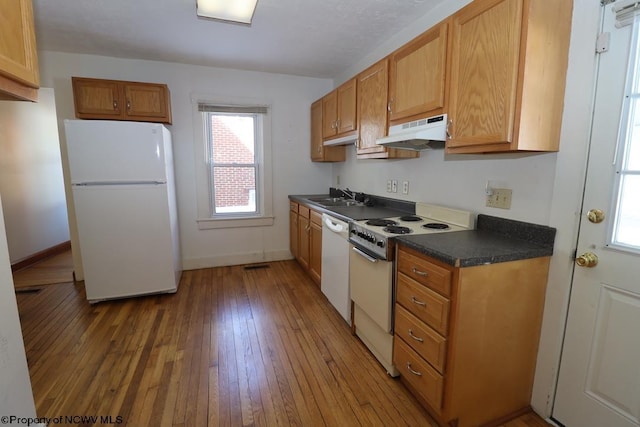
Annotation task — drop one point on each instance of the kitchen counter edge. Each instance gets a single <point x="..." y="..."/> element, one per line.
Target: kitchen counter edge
<point x="494" y="240"/>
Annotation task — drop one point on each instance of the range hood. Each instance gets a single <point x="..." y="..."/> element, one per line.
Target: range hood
<point x="418" y="135"/>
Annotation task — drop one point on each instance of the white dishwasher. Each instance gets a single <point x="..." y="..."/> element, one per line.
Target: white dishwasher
<point x="335" y="265"/>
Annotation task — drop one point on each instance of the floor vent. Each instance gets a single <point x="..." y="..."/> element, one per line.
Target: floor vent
<point x="256" y="266"/>
<point x="28" y="291"/>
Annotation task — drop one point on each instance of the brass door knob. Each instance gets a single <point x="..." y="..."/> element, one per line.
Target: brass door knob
<point x="595" y="215"/>
<point x="587" y="259"/>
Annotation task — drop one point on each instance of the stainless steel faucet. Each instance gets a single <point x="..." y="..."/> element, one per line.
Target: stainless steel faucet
<point x="348" y="193"/>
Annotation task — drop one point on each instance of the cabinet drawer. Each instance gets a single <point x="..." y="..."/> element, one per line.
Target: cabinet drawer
<point x="422" y="377"/>
<point x="426" y="305"/>
<point x="425" y="272"/>
<point x="293" y="207"/>
<point x="429" y="344"/>
<point x="303" y="211"/>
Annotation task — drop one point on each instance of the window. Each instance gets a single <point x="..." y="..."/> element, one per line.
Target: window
<point x="234" y="185"/>
<point x="626" y="225"/>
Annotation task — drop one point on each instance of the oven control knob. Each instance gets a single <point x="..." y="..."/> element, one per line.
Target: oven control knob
<point x="380" y="243"/>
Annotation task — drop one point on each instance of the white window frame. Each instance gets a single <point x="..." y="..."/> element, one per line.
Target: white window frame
<point x="264" y="184"/>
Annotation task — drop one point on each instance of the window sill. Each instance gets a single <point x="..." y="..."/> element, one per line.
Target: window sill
<point x="211" y="223"/>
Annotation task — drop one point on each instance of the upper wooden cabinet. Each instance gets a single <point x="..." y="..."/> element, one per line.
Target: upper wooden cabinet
<point x="319" y="152"/>
<point x="373" y="91"/>
<point x="417" y="76"/>
<point x="508" y="67"/>
<point x="19" y="77"/>
<point x="339" y="111"/>
<point x="121" y="100"/>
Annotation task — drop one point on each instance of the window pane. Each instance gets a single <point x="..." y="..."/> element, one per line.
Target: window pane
<point x="233" y="139"/>
<point x="627" y="230"/>
<point x="234" y="189"/>
<point x="633" y="154"/>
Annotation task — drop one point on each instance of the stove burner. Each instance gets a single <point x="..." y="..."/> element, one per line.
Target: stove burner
<point x="436" y="226"/>
<point x="381" y="222"/>
<point x="410" y="218"/>
<point x="396" y="229"/>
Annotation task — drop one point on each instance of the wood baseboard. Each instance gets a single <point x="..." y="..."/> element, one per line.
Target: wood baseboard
<point x="39" y="256"/>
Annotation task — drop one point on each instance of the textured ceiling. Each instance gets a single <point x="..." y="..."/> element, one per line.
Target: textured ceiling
<point x="315" y="38"/>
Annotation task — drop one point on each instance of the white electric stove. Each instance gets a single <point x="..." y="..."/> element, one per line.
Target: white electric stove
<point x="371" y="270"/>
<point x="375" y="236"/>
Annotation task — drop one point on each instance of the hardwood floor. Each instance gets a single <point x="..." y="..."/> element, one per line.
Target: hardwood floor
<point x="52" y="270"/>
<point x="234" y="346"/>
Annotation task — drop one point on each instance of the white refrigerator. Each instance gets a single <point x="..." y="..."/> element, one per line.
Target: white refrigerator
<point x="124" y="198"/>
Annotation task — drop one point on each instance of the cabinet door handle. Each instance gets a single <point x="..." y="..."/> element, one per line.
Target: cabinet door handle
<point x="419" y="272"/>
<point x="115" y="104"/>
<point x="128" y="105"/>
<point x="412" y="371"/>
<point x="415" y="337"/>
<point x="449" y="123"/>
<point x="418" y="302"/>
<point x="389" y="105"/>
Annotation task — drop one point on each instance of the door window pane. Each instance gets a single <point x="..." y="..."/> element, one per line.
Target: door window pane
<point x="626" y="227"/>
<point x="628" y="216"/>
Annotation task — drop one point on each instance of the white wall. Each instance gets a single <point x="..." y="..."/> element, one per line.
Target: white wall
<point x="15" y="385"/>
<point x="293" y="172"/>
<point x="31" y="176"/>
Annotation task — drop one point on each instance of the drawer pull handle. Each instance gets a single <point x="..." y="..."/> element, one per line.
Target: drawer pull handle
<point x="415" y="337"/>
<point x="412" y="371"/>
<point x="419" y="273"/>
<point x="417" y="301"/>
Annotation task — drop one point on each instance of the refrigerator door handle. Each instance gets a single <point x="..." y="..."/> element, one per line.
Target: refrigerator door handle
<point x="104" y="183"/>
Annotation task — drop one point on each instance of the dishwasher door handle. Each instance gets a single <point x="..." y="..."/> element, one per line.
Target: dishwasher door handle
<point x="364" y="255"/>
<point x="336" y="228"/>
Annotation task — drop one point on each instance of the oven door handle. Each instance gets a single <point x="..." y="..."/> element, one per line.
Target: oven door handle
<point x="365" y="255"/>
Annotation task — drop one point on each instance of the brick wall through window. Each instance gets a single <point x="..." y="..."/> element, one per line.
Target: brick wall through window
<point x="233" y="143"/>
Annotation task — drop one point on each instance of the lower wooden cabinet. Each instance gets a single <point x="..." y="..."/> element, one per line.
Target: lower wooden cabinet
<point x="305" y="238"/>
<point x="466" y="339"/>
<point x="293" y="229"/>
<point x="315" y="246"/>
<point x="121" y="100"/>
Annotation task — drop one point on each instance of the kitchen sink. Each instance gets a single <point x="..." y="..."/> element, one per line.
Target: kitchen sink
<point x="335" y="202"/>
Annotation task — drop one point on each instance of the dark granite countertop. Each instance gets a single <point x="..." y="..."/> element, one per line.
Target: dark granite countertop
<point x="381" y="208"/>
<point x="495" y="240"/>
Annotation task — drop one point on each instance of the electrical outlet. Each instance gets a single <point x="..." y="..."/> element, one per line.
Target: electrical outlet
<point x="405" y="187"/>
<point x="394" y="186"/>
<point x="499" y="198"/>
<point x="388" y="186"/>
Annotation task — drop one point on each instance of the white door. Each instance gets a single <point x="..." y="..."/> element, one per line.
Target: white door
<point x="599" y="378"/>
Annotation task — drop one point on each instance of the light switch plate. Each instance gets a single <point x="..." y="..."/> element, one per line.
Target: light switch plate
<point x="500" y="198"/>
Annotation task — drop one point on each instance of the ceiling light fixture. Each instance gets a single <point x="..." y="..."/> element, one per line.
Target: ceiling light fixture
<point x="240" y="11"/>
